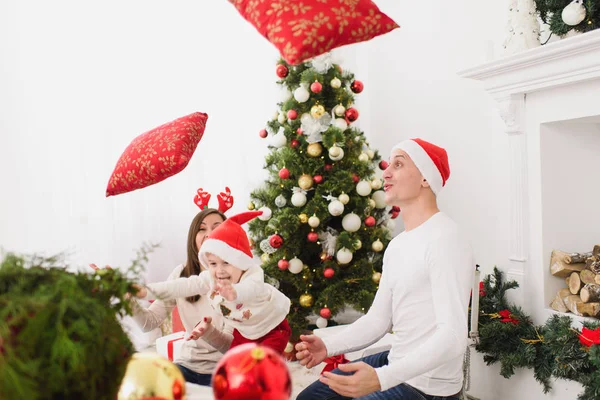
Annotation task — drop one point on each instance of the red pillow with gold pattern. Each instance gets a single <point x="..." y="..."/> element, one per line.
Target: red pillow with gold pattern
<point x="157" y="154"/>
<point x="305" y="29"/>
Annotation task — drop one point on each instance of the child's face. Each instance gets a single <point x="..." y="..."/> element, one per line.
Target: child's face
<point x="221" y="270"/>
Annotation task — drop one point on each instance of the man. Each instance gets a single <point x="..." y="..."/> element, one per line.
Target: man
<point x="423" y="297"/>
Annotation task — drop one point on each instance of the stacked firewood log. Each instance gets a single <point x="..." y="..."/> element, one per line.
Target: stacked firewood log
<point x="581" y="272"/>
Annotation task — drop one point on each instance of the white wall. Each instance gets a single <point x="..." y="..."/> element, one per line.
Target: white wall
<point x="78" y="83"/>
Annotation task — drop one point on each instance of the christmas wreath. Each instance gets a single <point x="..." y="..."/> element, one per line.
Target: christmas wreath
<point x="555" y="349"/>
<point x="60" y="335"/>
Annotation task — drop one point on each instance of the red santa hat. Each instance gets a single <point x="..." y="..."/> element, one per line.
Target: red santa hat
<point x="431" y="160"/>
<point x="230" y="242"/>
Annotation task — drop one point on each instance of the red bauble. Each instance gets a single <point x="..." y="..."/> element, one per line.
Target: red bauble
<point x="316" y="87"/>
<point x="355" y="178"/>
<point x="294" y="143"/>
<point x="325" y="313"/>
<point x="292" y="114"/>
<point x="395" y="211"/>
<point x="328" y="273"/>
<point x="352" y="114"/>
<point x="251" y="371"/>
<point x="282" y="71"/>
<point x="312" y="236"/>
<point x="328" y="167"/>
<point x="369" y="221"/>
<point x="262" y="133"/>
<point x="357" y="86"/>
<point x="283" y="264"/>
<point x="395" y="214"/>
<point x="383" y="165"/>
<point x="284" y="173"/>
<point x="275" y="241"/>
<point x="317" y="179"/>
<point x="299" y="131"/>
<point x="396" y="208"/>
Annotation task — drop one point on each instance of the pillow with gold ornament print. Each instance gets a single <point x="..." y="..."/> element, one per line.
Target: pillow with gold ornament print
<point x="157" y="154"/>
<point x="304" y="29"/>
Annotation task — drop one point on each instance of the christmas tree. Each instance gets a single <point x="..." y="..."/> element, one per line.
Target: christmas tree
<point x="566" y="15"/>
<point x="325" y="223"/>
<point x="523" y="27"/>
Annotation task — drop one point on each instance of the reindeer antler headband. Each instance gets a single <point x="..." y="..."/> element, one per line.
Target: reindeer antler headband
<point x="225" y="199"/>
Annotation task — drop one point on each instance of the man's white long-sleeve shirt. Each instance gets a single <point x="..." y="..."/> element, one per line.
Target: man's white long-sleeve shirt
<point x="423" y="297"/>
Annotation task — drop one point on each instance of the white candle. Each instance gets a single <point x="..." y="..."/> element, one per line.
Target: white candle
<point x="475" y="304"/>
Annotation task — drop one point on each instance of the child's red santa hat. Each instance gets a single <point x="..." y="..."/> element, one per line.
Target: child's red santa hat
<point x="431" y="160"/>
<point x="230" y="242"/>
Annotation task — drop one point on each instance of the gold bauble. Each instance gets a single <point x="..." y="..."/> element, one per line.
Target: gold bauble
<point x="314" y="149"/>
<point x="149" y="375"/>
<point x="303" y="218"/>
<point x="324" y="256"/>
<point x="357" y="244"/>
<point x="305" y="181"/>
<point x="264" y="257"/>
<point x="317" y="111"/>
<point x="376" y="277"/>
<point x="251" y="206"/>
<point x="306" y="300"/>
<point x="377" y="246"/>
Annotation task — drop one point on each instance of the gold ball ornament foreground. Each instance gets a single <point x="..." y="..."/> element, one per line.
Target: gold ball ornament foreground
<point x="305" y="181"/>
<point x="306" y="300"/>
<point x="377" y="246"/>
<point x="314" y="149"/>
<point x="376" y="277"/>
<point x="317" y="111"/>
<point x="251" y="206"/>
<point x="264" y="257"/>
<point x="151" y="376"/>
<point x="303" y="218"/>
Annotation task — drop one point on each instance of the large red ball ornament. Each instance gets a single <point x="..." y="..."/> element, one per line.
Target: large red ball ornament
<point x="369" y="221"/>
<point x="312" y="236"/>
<point x="328" y="273"/>
<point x="251" y="371"/>
<point x="283" y="264"/>
<point x="282" y="71"/>
<point x="383" y="165"/>
<point x="352" y="114"/>
<point x="284" y="173"/>
<point x="292" y="114"/>
<point x="316" y="87"/>
<point x="276" y="241"/>
<point x="318" y="179"/>
<point x="294" y="143"/>
<point x="262" y="133"/>
<point x="325" y="313"/>
<point x="357" y="86"/>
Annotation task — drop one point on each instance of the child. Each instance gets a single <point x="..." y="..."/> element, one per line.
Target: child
<point x="236" y="287"/>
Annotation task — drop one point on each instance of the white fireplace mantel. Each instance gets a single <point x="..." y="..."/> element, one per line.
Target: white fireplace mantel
<point x="509" y="80"/>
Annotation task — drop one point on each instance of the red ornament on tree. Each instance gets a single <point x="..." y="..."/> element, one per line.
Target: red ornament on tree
<point x="276" y="241"/>
<point x="251" y="371"/>
<point x="299" y="131"/>
<point x="312" y="236"/>
<point x="325" y="313"/>
<point x="317" y="179"/>
<point x="294" y="143"/>
<point x="328" y="167"/>
<point x="355" y="178"/>
<point x="292" y="114"/>
<point x="316" y="87"/>
<point x="282" y="71"/>
<point x="352" y="114"/>
<point x="383" y="165"/>
<point x="284" y="173"/>
<point x="283" y="264"/>
<point x="369" y="221"/>
<point x="395" y="211"/>
<point x="262" y="133"/>
<point x="328" y="273"/>
<point x="357" y="86"/>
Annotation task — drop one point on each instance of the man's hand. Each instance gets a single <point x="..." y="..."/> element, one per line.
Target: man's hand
<point x="226" y="290"/>
<point x="311" y="350"/>
<point x="363" y="381"/>
<point x="200" y="329"/>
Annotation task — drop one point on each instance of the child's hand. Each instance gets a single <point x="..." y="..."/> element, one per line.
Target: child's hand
<point x="226" y="290"/>
<point x="200" y="329"/>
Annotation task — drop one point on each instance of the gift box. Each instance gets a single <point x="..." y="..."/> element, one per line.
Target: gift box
<point x="169" y="346"/>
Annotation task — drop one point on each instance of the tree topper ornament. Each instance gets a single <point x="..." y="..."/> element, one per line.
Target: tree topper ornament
<point x="225" y="199"/>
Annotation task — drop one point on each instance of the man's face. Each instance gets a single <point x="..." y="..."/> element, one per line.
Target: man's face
<point x="402" y="179"/>
<point x="221" y="270"/>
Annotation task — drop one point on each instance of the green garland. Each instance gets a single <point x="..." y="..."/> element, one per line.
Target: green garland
<point x="555" y="349"/>
<point x="60" y="337"/>
<point x="550" y="12"/>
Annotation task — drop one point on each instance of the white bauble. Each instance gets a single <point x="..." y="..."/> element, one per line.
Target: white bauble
<point x="266" y="213"/>
<point x="379" y="198"/>
<point x="390" y="224"/>
<point x="339" y="110"/>
<point x="301" y="94"/>
<point x="363" y="188"/>
<point x="574" y="13"/>
<point x="376" y="184"/>
<point x="296" y="265"/>
<point x="285" y="95"/>
<point x="351" y="222"/>
<point x="340" y="123"/>
<point x="363" y="157"/>
<point x="280" y="201"/>
<point x="314" y="221"/>
<point x="321" y="323"/>
<point x="335" y="208"/>
<point x="281" y="118"/>
<point x="370" y="153"/>
<point x="278" y="140"/>
<point x="343" y="256"/>
<point x="377" y="246"/>
<point x="336" y="153"/>
<point x="335" y="83"/>
<point x="289" y="348"/>
<point x="344" y="198"/>
<point x="298" y="199"/>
